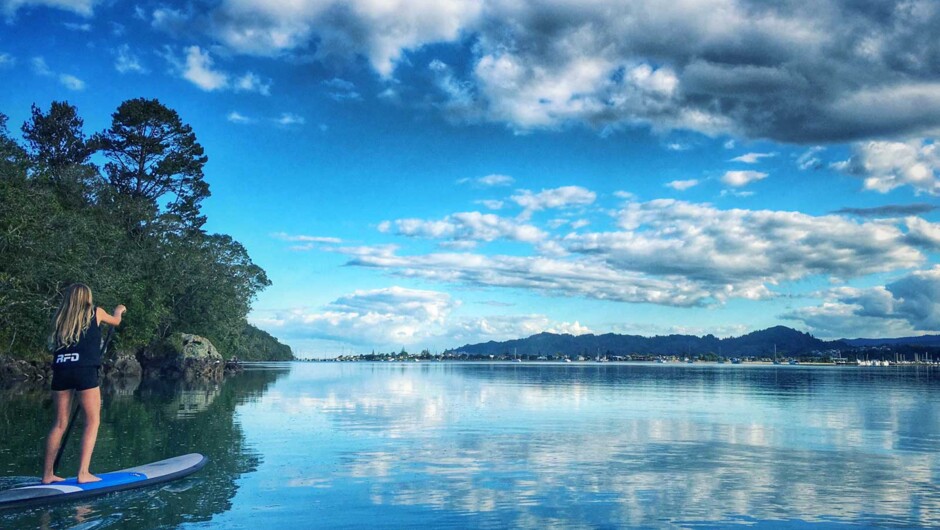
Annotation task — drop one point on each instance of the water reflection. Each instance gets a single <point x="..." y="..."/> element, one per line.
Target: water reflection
<point x="586" y="446"/>
<point x="506" y="445"/>
<point x="142" y="421"/>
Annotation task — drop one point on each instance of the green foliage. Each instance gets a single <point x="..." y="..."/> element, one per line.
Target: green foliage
<point x="60" y="223"/>
<point x="152" y="155"/>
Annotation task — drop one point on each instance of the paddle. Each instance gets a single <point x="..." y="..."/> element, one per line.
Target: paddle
<point x="68" y="429"/>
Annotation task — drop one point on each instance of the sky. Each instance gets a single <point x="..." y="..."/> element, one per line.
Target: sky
<point x="425" y="174"/>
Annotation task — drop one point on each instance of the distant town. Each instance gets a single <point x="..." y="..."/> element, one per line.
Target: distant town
<point x="778" y="345"/>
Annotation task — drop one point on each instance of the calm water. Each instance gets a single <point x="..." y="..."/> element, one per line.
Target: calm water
<point x="509" y="445"/>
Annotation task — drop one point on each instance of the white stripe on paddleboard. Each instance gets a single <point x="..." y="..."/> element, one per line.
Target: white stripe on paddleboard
<point x="63" y="488"/>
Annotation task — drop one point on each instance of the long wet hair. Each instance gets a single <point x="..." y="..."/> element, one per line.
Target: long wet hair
<point x="73" y="316"/>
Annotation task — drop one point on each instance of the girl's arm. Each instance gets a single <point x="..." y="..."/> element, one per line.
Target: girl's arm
<point x="115" y="319"/>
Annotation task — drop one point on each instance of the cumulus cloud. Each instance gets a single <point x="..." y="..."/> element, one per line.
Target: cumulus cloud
<point x="889" y="210"/>
<point x="886" y="165"/>
<point x="251" y="82"/>
<point x="198" y="69"/>
<point x="468" y="226"/>
<point x="39" y="67"/>
<point x="395" y="316"/>
<point x="288" y="119"/>
<point x="380" y="31"/>
<point x="809" y="160"/>
<point x="752" y="158"/>
<point x="838" y="71"/>
<point x="910" y="305"/>
<point x="682" y="185"/>
<point x="84" y="8"/>
<point x="341" y="90"/>
<point x="237" y="117"/>
<point x="71" y="82"/>
<point x="392" y="316"/>
<point x="663" y="251"/>
<point x="563" y="197"/>
<point x="507" y="327"/>
<point x="738" y="179"/>
<point x="127" y="61"/>
<point x="492" y="204"/>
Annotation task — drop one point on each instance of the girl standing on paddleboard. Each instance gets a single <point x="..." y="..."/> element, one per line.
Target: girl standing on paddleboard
<point x="76" y="344"/>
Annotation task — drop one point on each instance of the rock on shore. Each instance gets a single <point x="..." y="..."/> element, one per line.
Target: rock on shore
<point x="185" y="356"/>
<point x="19" y="370"/>
<point x="180" y="356"/>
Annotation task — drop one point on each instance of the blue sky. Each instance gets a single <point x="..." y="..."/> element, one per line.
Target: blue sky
<point x="428" y="174"/>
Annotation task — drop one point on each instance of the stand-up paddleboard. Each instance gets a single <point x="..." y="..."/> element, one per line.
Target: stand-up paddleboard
<point x="125" y="479"/>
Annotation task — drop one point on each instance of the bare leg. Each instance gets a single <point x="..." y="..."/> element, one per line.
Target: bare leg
<point x="90" y="401"/>
<point x="62" y="401"/>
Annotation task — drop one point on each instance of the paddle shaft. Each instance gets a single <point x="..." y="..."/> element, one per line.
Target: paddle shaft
<point x="68" y="429"/>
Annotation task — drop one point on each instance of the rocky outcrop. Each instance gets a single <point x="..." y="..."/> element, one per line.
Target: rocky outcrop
<point x="19" y="370"/>
<point x="121" y="365"/>
<point x="185" y="356"/>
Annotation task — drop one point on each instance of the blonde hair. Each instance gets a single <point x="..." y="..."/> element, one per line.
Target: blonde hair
<point x="73" y="316"/>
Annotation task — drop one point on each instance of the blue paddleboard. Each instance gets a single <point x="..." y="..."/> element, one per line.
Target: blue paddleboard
<point x="134" y="477"/>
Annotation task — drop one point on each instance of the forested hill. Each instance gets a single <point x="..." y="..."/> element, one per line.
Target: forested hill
<point x="759" y="343"/>
<point x="131" y="229"/>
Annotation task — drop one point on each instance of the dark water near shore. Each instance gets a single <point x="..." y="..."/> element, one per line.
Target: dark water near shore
<point x="326" y="445"/>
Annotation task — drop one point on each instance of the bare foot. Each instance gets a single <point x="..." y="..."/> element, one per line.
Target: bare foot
<point x="85" y="478"/>
<point x="51" y="479"/>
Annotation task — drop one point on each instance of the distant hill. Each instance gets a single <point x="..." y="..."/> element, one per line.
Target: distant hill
<point x="925" y="340"/>
<point x="789" y="342"/>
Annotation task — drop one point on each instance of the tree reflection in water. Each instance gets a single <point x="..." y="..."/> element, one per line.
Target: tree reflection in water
<point x="141" y="422"/>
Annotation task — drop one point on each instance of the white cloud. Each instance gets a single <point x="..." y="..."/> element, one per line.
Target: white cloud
<point x="718" y="67"/>
<point x="492" y="204"/>
<point x="40" y="67"/>
<point x="237" y="117"/>
<point x="306" y="242"/>
<point x="809" y="160"/>
<point x="84" y="8"/>
<point x="126" y="61"/>
<point x="923" y="233"/>
<point x="71" y="82"/>
<point x="682" y="185"/>
<point x="393" y="316"/>
<point x="469" y="226"/>
<point x="341" y="90"/>
<point x="665" y="252"/>
<point x="908" y="306"/>
<point x="7" y="60"/>
<point x="77" y="27"/>
<point x="742" y="178"/>
<point x="380" y="31"/>
<point x="252" y="83"/>
<point x="752" y="158"/>
<point x="199" y="71"/>
<point x="488" y="181"/>
<point x="563" y="197"/>
<point x="287" y="119"/>
<point x="886" y="165"/>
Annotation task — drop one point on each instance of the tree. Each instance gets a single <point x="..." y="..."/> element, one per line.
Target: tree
<point x="153" y="156"/>
<point x="56" y="141"/>
<point x="13" y="159"/>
